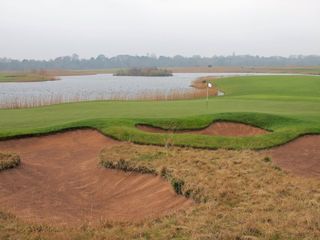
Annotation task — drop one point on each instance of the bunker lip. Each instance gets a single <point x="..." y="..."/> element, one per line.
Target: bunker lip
<point x="300" y="156"/>
<point x="59" y="182"/>
<point x="218" y="128"/>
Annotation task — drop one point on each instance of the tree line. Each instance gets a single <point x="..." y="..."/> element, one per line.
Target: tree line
<point x="128" y="61"/>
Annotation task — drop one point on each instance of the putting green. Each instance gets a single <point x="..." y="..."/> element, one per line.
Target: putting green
<point x="289" y="106"/>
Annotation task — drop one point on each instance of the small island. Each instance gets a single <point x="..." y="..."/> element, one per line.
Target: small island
<point x="146" y="72"/>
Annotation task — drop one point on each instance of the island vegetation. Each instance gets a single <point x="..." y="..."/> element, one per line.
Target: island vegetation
<point x="27" y="76"/>
<point x="146" y="72"/>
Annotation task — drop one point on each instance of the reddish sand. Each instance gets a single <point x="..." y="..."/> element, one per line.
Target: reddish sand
<point x="60" y="182"/>
<point x="301" y="156"/>
<point x="216" y="129"/>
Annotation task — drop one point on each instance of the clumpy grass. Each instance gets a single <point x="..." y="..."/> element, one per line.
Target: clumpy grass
<point x="239" y="195"/>
<point x="267" y="159"/>
<point x="126" y="166"/>
<point x="134" y="159"/>
<point x="9" y="160"/>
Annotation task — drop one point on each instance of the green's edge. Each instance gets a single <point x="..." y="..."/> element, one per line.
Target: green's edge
<point x="282" y="130"/>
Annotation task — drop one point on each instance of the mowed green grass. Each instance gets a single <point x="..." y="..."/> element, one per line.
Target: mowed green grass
<point x="289" y="106"/>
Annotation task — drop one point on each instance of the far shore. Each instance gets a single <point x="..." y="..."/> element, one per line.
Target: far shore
<point x="53" y="74"/>
<point x="19" y="77"/>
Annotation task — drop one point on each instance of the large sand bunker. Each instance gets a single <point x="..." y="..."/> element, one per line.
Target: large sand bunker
<point x="230" y="129"/>
<point x="60" y="182"/>
<point x="301" y="156"/>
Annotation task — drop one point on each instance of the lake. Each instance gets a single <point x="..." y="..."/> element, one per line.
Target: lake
<point x="95" y="87"/>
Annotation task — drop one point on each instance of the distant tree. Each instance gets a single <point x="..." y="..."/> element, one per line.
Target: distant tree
<point x="127" y="61"/>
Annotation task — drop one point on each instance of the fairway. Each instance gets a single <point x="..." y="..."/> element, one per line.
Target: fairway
<point x="289" y="106"/>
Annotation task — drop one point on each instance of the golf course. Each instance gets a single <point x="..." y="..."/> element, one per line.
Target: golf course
<point x="242" y="166"/>
<point x="160" y="120"/>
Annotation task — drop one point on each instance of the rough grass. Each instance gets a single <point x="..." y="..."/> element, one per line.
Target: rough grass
<point x="247" y="197"/>
<point x="130" y="162"/>
<point x="9" y="160"/>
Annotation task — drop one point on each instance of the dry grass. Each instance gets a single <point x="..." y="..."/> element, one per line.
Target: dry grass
<point x="20" y="102"/>
<point x="244" y="196"/>
<point x="9" y="160"/>
<point x="27" y="76"/>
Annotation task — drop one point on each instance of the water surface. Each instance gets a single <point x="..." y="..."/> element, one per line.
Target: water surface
<point x="96" y="87"/>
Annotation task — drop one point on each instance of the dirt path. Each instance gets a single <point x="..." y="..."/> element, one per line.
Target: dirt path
<point x="216" y="129"/>
<point x="301" y="156"/>
<point x="60" y="182"/>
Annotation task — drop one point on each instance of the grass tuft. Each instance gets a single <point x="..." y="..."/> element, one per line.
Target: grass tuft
<point x="8" y="161"/>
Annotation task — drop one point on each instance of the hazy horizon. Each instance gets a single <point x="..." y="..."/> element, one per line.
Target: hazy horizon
<point x="46" y="29"/>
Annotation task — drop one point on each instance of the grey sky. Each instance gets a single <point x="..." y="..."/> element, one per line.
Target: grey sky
<point x="45" y="29"/>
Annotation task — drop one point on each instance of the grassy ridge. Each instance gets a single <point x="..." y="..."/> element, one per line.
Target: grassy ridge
<point x="287" y="105"/>
<point x="284" y="129"/>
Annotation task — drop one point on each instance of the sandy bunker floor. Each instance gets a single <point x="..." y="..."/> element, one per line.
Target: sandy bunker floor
<point x="60" y="182"/>
<point x="301" y="156"/>
<point x="215" y="129"/>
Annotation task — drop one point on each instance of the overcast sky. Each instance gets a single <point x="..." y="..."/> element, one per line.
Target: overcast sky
<point x="44" y="29"/>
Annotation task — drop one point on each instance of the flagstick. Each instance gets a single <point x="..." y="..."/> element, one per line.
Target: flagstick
<point x="207" y="96"/>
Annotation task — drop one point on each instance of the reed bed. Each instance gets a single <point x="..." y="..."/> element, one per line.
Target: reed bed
<point x="147" y="95"/>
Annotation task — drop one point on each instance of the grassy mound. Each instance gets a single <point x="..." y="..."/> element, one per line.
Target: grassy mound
<point x="239" y="194"/>
<point x="8" y="161"/>
<point x="133" y="158"/>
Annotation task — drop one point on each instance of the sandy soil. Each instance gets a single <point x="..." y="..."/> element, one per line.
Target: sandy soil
<point x="301" y="156"/>
<point x="60" y="182"/>
<point x="215" y="129"/>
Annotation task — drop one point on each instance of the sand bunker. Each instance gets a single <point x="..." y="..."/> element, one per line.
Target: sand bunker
<point x="301" y="156"/>
<point x="230" y="129"/>
<point x="59" y="182"/>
